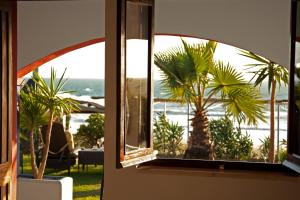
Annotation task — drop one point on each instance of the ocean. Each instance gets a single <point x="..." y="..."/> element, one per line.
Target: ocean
<point x="93" y="90"/>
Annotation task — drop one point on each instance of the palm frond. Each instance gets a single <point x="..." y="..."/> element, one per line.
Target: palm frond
<point x="48" y="95"/>
<point x="260" y="76"/>
<point x="185" y="69"/>
<point x="200" y="55"/>
<point x="61" y="83"/>
<point x="253" y="56"/>
<point x="33" y="113"/>
<point x="266" y="70"/>
<point x="245" y="105"/>
<point x="178" y="73"/>
<point x="225" y="77"/>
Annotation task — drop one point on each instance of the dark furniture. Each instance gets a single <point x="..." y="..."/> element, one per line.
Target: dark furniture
<point x="59" y="156"/>
<point x="90" y="157"/>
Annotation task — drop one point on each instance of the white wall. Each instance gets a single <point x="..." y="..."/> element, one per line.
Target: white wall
<point x="258" y="25"/>
<point x="48" y="26"/>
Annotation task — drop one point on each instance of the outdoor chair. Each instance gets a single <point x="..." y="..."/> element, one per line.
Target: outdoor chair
<point x="59" y="157"/>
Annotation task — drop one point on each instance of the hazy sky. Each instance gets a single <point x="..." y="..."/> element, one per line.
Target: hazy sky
<point x="89" y="62"/>
<point x="83" y="63"/>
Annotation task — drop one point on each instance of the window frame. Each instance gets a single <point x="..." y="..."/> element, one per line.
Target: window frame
<point x="145" y="158"/>
<point x="124" y="159"/>
<point x="293" y="159"/>
<point x="217" y="165"/>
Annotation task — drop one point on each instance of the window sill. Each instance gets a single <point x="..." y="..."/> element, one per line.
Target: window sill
<point x="219" y="166"/>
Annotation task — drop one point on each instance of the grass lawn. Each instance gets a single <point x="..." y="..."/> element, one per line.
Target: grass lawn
<point x="87" y="184"/>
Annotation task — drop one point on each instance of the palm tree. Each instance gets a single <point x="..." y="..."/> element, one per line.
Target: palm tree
<point x="38" y="106"/>
<point x="276" y="75"/>
<point x="32" y="115"/>
<point x="191" y="75"/>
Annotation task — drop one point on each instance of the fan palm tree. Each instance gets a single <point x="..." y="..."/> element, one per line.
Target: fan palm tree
<point x="276" y="75"/>
<point x="191" y="75"/>
<point x="39" y="105"/>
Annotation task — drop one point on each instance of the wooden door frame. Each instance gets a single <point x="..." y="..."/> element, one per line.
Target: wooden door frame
<point x="10" y="167"/>
<point x="14" y="138"/>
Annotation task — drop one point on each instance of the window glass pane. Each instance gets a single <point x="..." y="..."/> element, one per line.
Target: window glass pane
<point x="136" y="93"/>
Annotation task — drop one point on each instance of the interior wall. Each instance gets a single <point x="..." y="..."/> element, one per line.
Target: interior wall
<point x="45" y="27"/>
<point x="258" y="25"/>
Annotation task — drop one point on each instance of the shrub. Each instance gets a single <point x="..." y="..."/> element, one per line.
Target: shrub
<point x="264" y="148"/>
<point x="87" y="135"/>
<point x="282" y="154"/>
<point x="167" y="136"/>
<point x="229" y="142"/>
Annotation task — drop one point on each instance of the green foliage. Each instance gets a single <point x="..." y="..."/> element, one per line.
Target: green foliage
<point x="33" y="114"/>
<point x="191" y="75"/>
<point x="275" y="74"/>
<point x="265" y="148"/>
<point x="50" y="95"/>
<point x="229" y="142"/>
<point x="167" y="136"/>
<point x="266" y="69"/>
<point x="38" y="106"/>
<point x="36" y="103"/>
<point x="282" y="154"/>
<point x="87" y="135"/>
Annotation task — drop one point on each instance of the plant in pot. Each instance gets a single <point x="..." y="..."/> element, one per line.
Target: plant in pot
<point x="40" y="105"/>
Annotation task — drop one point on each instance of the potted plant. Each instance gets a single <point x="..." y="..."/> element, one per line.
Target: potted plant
<point x="39" y="105"/>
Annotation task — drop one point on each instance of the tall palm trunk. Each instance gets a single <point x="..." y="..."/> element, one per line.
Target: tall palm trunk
<point x="199" y="145"/>
<point x="46" y="148"/>
<point x="272" y="123"/>
<point x="32" y="154"/>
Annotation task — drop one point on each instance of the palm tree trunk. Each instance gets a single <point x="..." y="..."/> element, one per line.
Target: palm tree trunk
<point x="32" y="154"/>
<point x="199" y="145"/>
<point x="46" y="148"/>
<point x="272" y="123"/>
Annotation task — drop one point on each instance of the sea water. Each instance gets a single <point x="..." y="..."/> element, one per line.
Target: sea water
<point x="93" y="90"/>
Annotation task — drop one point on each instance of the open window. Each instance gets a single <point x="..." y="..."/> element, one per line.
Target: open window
<point x="6" y="102"/>
<point x="135" y="60"/>
<point x="293" y="160"/>
<point x="134" y="104"/>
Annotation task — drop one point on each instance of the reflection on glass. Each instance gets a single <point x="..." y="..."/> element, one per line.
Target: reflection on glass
<point x="136" y="93"/>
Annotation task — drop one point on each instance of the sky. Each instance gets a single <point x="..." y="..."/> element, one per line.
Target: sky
<point x="88" y="62"/>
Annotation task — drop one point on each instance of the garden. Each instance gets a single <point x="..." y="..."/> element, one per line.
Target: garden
<point x="48" y="149"/>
